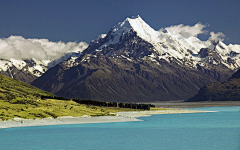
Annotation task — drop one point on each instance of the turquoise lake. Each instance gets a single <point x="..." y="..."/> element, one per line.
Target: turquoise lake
<point x="199" y="131"/>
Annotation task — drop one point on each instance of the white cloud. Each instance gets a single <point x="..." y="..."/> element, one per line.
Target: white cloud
<point x="216" y="36"/>
<point x="19" y="48"/>
<point x="186" y="31"/>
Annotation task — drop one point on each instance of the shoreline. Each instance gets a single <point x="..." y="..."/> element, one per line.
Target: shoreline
<point x="66" y="120"/>
<point x="181" y="104"/>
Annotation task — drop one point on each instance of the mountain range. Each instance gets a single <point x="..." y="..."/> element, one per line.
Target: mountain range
<point x="135" y="63"/>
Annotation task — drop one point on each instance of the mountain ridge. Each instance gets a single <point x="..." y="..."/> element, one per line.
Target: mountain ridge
<point x="225" y="91"/>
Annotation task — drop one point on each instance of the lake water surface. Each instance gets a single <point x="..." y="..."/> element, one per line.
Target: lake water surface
<point x="199" y="131"/>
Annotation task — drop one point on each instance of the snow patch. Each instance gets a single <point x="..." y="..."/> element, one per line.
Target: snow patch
<point x="4" y="65"/>
<point x="19" y="64"/>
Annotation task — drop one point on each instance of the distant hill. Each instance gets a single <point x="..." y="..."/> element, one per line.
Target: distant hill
<point x="226" y="91"/>
<point x="12" y="88"/>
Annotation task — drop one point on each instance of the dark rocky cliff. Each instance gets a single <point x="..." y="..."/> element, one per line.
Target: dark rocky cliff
<point x="226" y="91"/>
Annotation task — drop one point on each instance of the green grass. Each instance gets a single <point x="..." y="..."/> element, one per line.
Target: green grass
<point x="51" y="108"/>
<point x="13" y="88"/>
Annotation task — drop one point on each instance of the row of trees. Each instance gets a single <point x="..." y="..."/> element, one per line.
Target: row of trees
<point x="54" y="97"/>
<point x="105" y="104"/>
<point x="114" y="104"/>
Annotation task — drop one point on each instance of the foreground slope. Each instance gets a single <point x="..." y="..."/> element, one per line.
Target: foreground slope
<point x="21" y="100"/>
<point x="226" y="91"/>
<point x="133" y="62"/>
<point x="13" y="88"/>
<point x="52" y="108"/>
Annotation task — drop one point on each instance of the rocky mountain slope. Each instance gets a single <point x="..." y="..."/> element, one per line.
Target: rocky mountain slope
<point x="133" y="62"/>
<point x="28" y="70"/>
<point x="226" y="91"/>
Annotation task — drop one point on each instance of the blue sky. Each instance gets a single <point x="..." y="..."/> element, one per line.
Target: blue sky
<point x="82" y="20"/>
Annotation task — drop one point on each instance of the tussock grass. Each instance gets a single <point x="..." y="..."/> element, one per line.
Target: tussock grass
<point x="13" y="88"/>
<point x="32" y="109"/>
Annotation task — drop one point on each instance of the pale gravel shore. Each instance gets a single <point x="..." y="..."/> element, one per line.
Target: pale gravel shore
<point x="135" y="114"/>
<point x="181" y="104"/>
<point x="120" y="117"/>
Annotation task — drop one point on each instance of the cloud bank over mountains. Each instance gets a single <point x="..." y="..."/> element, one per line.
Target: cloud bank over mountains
<point x="19" y="48"/>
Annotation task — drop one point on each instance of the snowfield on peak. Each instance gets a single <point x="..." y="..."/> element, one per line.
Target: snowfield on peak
<point x="142" y="29"/>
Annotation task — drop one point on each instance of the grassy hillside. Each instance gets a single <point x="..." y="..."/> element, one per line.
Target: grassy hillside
<point x="12" y="88"/>
<point x="52" y="108"/>
<point x="19" y="99"/>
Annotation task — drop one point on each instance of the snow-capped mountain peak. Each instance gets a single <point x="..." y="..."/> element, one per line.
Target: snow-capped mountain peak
<point x="137" y="24"/>
<point x="135" y="39"/>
